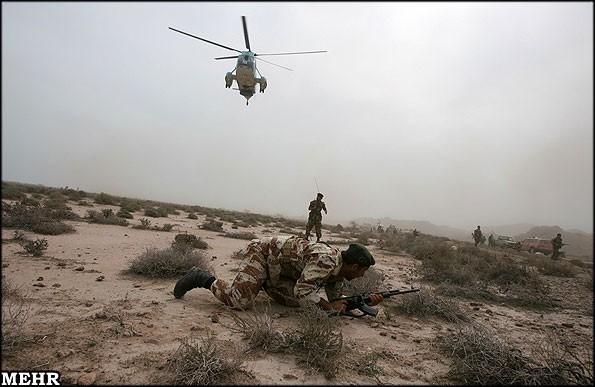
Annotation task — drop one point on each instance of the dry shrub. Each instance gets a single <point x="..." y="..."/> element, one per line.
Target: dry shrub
<point x="15" y="313"/>
<point x="188" y="242"/>
<point x="106" y="216"/>
<point x="424" y="303"/>
<point x="548" y="266"/>
<point x="241" y="235"/>
<point x="168" y="263"/>
<point x="481" y="358"/>
<point x="315" y="341"/>
<point x="198" y="362"/>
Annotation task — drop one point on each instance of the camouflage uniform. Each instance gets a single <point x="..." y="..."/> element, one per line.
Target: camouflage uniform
<point x="556" y="245"/>
<point x="290" y="270"/>
<point x="315" y="218"/>
<point x="477" y="236"/>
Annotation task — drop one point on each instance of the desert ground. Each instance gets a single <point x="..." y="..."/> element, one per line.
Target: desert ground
<point x="95" y="324"/>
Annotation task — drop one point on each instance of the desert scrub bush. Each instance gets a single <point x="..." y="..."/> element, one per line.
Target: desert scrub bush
<point x="166" y="227"/>
<point x="106" y="216"/>
<point x="74" y="195"/>
<point x="241" y="235"/>
<point x="212" y="225"/>
<point x="192" y="215"/>
<point x="424" y="304"/>
<point x="480" y="357"/>
<point x="145" y="224"/>
<point x="187" y="242"/>
<point x="15" y="313"/>
<point x="154" y="212"/>
<point x="199" y="363"/>
<point x="315" y="341"/>
<point x="19" y="236"/>
<point x="106" y="199"/>
<point x="130" y="205"/>
<point x="122" y="213"/>
<point x="12" y="193"/>
<point x="36" y="247"/>
<point x="481" y="274"/>
<point x="168" y="263"/>
<point x="41" y="220"/>
<point x="548" y="266"/>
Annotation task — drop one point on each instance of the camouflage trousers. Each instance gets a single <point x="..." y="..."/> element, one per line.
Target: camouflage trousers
<point x="317" y="224"/>
<point x="253" y="276"/>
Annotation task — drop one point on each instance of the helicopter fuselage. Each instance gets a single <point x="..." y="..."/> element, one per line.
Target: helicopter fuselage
<point x="246" y="75"/>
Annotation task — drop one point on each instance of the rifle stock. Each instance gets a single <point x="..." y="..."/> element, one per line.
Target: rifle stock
<point x="360" y="301"/>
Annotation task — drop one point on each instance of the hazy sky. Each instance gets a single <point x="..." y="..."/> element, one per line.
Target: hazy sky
<point x="461" y="114"/>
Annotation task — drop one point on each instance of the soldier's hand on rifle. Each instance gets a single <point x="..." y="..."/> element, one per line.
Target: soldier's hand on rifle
<point x="375" y="299"/>
<point x="338" y="305"/>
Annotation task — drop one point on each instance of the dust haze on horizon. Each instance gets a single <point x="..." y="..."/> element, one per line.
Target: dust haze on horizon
<point x="460" y="114"/>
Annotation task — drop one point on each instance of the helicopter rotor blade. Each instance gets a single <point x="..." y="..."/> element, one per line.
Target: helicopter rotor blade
<point x="227" y="57"/>
<point x="204" y="40"/>
<point x="246" y="33"/>
<point x="274" y="64"/>
<point x="294" y="53"/>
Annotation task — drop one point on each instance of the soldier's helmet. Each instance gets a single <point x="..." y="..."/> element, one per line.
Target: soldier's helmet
<point x="320" y="195"/>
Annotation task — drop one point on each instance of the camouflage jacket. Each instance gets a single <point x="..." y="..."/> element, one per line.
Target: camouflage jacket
<point x="315" y="208"/>
<point x="311" y="265"/>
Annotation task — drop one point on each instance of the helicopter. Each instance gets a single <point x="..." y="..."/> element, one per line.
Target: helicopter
<point x="246" y="74"/>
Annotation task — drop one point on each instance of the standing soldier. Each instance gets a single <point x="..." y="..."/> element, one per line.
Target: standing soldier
<point x="477" y="235"/>
<point x="557" y="245"/>
<point x="315" y="216"/>
<point x="491" y="240"/>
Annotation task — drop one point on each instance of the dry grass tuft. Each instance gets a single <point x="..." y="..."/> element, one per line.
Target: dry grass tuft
<point x="15" y="313"/>
<point x="481" y="358"/>
<point x="198" y="362"/>
<point x="425" y="303"/>
<point x="315" y="342"/>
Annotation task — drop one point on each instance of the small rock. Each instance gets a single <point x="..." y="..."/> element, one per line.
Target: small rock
<point x="100" y="278"/>
<point x="215" y="318"/>
<point x="40" y="278"/>
<point x="47" y="268"/>
<point x="39" y="285"/>
<point x="56" y="285"/>
<point x="80" y="268"/>
<point x="87" y="379"/>
<point x="568" y="325"/>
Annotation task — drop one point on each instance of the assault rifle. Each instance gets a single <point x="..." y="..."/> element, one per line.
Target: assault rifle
<point x="361" y="301"/>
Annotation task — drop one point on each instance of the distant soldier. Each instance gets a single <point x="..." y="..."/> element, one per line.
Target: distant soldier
<point x="315" y="216"/>
<point x="477" y="236"/>
<point x="557" y="245"/>
<point x="491" y="240"/>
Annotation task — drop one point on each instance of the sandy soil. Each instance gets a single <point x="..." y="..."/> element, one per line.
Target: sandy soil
<point x="94" y="324"/>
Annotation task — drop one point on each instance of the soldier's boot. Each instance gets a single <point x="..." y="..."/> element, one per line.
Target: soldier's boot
<point x="195" y="278"/>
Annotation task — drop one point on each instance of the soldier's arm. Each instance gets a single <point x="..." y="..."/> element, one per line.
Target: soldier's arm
<point x="314" y="275"/>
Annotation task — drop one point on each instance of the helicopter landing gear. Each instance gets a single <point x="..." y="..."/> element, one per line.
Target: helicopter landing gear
<point x="228" y="80"/>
